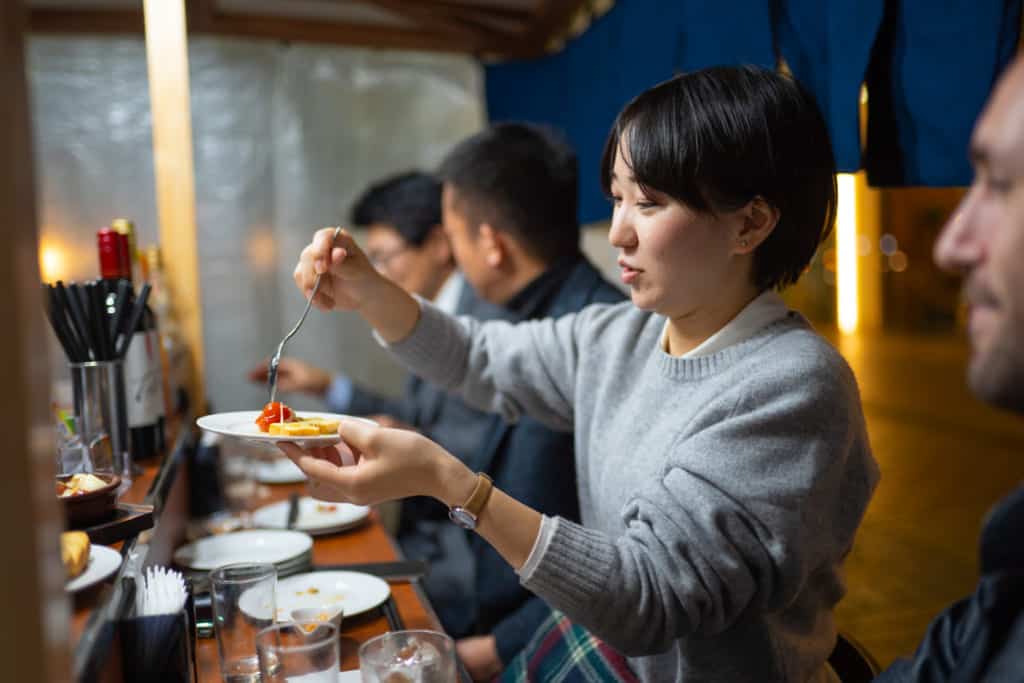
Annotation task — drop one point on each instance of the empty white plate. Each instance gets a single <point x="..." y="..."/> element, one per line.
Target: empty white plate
<point x="354" y="591"/>
<point x="241" y="424"/>
<point x="315" y="517"/>
<point x="103" y="562"/>
<point x="254" y="545"/>
<point x="278" y="471"/>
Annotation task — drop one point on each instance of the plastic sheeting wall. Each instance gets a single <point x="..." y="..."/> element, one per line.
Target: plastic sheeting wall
<point x="285" y="138"/>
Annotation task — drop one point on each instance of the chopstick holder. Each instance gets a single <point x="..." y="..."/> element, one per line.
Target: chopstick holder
<point x="159" y="647"/>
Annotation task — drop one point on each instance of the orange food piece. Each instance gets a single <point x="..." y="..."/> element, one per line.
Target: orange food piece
<point x="274" y="412"/>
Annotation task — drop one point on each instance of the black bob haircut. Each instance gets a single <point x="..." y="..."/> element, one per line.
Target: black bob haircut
<point x="410" y="203"/>
<point x="717" y="138"/>
<point x="522" y="179"/>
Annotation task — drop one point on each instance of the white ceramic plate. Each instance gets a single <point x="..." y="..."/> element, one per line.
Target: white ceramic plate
<point x="252" y="545"/>
<point x="279" y="471"/>
<point x="354" y="591"/>
<point x="103" y="562"/>
<point x="352" y="676"/>
<point x="241" y="424"/>
<point x="315" y="517"/>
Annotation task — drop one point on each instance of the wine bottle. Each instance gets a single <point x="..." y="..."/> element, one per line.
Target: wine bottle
<point x="143" y="374"/>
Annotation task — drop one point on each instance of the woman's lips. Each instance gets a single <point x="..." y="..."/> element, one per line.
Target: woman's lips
<point x="629" y="274"/>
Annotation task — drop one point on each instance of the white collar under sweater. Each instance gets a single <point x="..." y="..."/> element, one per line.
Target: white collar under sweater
<point x="447" y="298"/>
<point x="766" y="308"/>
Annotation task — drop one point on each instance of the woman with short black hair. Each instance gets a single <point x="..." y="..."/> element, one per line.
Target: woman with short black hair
<point x="722" y="461"/>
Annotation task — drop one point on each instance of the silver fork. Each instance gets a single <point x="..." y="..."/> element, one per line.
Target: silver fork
<point x="276" y="359"/>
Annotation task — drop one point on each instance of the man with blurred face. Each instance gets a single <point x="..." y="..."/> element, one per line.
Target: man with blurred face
<point x="981" y="638"/>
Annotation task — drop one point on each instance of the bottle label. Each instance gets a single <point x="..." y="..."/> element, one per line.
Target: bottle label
<point x="142" y="379"/>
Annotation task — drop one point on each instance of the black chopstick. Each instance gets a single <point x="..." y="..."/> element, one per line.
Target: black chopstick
<point x="69" y="299"/>
<point x="94" y="292"/>
<point x="133" y="321"/>
<point x="59" y="325"/>
<point x="120" y="304"/>
<point x="390" y="611"/>
<point x="293" y="510"/>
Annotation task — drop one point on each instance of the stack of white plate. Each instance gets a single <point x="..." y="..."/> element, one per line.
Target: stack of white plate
<point x="290" y="551"/>
<point x="315" y="517"/>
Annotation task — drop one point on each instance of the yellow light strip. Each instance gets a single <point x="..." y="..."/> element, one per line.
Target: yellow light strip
<point x="167" y="63"/>
<point x="847" y="301"/>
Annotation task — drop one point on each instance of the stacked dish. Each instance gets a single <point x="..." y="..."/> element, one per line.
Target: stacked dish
<point x="289" y="551"/>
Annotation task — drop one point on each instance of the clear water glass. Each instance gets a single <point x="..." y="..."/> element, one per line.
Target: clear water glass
<point x="244" y="600"/>
<point x="299" y="652"/>
<point x="408" y="657"/>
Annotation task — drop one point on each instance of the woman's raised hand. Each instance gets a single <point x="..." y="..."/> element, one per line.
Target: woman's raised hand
<point x="374" y="464"/>
<point x="350" y="282"/>
<point x="346" y="272"/>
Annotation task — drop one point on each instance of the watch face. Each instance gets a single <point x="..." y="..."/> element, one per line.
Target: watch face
<point x="462" y="517"/>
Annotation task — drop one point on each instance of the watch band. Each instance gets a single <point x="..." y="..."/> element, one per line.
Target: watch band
<point x="467" y="514"/>
<point x="474" y="505"/>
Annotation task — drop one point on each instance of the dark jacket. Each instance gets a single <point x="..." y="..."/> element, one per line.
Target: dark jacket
<point x="981" y="638"/>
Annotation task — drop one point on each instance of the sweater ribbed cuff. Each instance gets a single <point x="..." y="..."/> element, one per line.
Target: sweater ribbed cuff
<point x="574" y="568"/>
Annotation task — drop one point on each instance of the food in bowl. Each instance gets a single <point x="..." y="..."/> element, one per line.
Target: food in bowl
<point x="74" y="552"/>
<point x="80" y="484"/>
<point x="87" y="498"/>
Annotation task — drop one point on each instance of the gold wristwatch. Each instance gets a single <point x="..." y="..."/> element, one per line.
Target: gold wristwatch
<point x="467" y="514"/>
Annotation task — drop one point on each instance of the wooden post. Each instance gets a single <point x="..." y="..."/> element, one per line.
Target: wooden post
<point x="167" y="58"/>
<point x="34" y="646"/>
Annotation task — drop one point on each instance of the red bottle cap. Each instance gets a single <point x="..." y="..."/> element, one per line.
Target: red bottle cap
<point x="113" y="253"/>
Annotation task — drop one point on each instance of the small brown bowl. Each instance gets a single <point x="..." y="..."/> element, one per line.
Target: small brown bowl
<point x="90" y="508"/>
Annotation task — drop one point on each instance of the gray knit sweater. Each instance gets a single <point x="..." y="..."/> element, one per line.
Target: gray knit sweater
<point x="719" y="494"/>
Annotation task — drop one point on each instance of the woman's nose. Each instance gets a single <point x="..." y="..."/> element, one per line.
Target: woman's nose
<point x="621" y="233"/>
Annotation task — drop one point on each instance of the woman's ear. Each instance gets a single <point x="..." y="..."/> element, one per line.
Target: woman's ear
<point x="759" y="219"/>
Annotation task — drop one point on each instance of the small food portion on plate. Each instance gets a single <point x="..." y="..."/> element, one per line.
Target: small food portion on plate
<point x="277" y="418"/>
<point x="79" y="484"/>
<point x="274" y="412"/>
<point x="74" y="552"/>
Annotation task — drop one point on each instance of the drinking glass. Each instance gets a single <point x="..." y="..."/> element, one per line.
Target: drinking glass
<point x="244" y="603"/>
<point x="299" y="652"/>
<point x="413" y="656"/>
<point x="237" y="468"/>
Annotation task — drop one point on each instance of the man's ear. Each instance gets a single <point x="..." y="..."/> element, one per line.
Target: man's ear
<point x="759" y="219"/>
<point x="493" y="246"/>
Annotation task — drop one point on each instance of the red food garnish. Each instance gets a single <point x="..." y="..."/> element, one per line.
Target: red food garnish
<point x="273" y="412"/>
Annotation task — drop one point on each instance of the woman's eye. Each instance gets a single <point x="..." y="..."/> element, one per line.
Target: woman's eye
<point x="615" y="200"/>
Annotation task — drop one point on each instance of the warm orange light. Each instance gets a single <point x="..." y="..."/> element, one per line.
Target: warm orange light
<point x="53" y="261"/>
<point x="262" y="251"/>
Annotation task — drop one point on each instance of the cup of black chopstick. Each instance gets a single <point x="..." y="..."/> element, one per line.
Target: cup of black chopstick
<point x="94" y="323"/>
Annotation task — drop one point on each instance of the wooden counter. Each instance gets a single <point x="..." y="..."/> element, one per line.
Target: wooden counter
<point x="366" y="543"/>
<point x="166" y="487"/>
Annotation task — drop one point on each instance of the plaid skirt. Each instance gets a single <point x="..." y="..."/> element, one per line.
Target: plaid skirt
<point x="562" y="652"/>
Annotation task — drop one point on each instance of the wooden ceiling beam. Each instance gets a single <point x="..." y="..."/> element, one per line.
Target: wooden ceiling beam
<point x="200" y="15"/>
<point x="204" y="19"/>
<point x="48" y="20"/>
<point x="425" y="18"/>
<point x="480" y="12"/>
